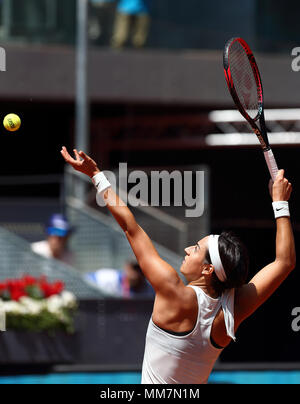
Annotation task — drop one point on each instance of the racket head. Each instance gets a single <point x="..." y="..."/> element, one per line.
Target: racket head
<point x="243" y="79"/>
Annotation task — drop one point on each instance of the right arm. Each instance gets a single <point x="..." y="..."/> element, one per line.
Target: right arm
<point x="159" y="273"/>
<point x="251" y="296"/>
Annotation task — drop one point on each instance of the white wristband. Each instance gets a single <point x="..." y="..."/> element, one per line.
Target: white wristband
<point x="101" y="182"/>
<point x="281" y="208"/>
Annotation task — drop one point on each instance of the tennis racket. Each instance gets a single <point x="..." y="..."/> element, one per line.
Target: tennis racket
<point x="245" y="86"/>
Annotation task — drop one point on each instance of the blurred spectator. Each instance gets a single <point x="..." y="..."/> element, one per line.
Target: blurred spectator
<point x="129" y="282"/>
<point x="101" y="17"/>
<point x="56" y="246"/>
<point x="132" y="18"/>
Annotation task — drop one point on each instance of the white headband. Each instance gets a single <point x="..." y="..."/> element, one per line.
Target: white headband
<point x="227" y="299"/>
<point x="213" y="248"/>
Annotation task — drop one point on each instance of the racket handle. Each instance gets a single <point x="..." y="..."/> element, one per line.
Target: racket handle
<point x="271" y="163"/>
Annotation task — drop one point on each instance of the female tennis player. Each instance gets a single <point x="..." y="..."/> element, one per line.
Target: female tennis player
<point x="191" y="325"/>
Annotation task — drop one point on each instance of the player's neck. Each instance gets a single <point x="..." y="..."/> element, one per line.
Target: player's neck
<point x="207" y="289"/>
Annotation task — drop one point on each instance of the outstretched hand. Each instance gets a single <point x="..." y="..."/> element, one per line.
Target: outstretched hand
<point x="82" y="162"/>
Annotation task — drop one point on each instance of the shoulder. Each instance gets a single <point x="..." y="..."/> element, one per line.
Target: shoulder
<point x="179" y="312"/>
<point x="175" y="308"/>
<point x="182" y="295"/>
<point x="189" y="297"/>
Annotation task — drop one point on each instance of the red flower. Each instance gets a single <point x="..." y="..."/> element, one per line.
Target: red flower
<point x="16" y="294"/>
<point x="17" y="287"/>
<point x="29" y="280"/>
<point x="57" y="287"/>
<point x="49" y="289"/>
<point x="3" y="286"/>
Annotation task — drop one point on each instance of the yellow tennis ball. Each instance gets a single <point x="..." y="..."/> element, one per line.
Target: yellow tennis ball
<point x="12" y="122"/>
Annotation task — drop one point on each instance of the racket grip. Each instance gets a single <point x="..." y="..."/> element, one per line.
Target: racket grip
<point x="271" y="163"/>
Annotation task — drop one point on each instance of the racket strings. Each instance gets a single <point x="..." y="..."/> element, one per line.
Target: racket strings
<point x="243" y="79"/>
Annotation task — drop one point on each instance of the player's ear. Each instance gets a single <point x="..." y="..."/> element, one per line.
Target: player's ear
<point x="208" y="269"/>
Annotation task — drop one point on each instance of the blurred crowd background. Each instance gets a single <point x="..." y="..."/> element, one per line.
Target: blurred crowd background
<point x="155" y="90"/>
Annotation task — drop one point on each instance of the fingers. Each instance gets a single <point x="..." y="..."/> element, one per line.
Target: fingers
<point x="65" y="154"/>
<point x="76" y="155"/>
<point x="84" y="156"/>
<point x="280" y="175"/>
<point x="282" y="188"/>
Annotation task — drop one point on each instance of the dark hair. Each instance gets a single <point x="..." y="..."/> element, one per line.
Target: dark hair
<point x="235" y="261"/>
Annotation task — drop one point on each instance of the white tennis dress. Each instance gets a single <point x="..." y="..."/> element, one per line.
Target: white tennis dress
<point x="189" y="359"/>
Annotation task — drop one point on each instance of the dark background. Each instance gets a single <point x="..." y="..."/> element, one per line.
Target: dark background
<point x="177" y="77"/>
<point x="238" y="193"/>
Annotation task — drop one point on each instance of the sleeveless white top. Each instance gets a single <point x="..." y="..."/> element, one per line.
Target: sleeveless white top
<point x="189" y="359"/>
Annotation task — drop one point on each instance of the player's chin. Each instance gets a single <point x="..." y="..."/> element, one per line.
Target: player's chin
<point x="182" y="267"/>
